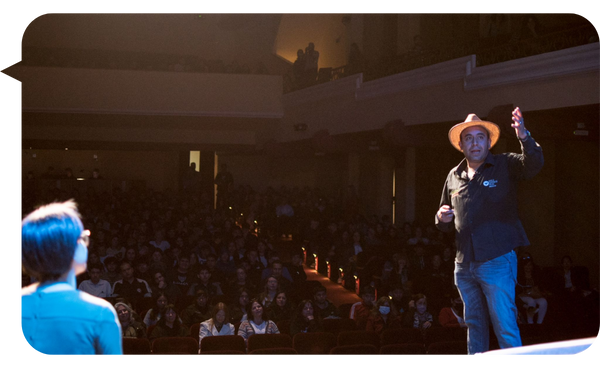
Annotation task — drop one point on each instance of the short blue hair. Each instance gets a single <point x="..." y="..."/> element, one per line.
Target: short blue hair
<point x="49" y="238"/>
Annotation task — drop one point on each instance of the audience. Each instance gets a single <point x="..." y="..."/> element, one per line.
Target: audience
<point x="323" y="307"/>
<point x="157" y="311"/>
<point x="257" y="323"/>
<point x="95" y="285"/>
<point x="198" y="310"/>
<point x="418" y="316"/>
<point x="452" y="316"/>
<point x="169" y="325"/>
<point x="130" y="327"/>
<point x="281" y="308"/>
<point x="305" y="319"/>
<point x="190" y="276"/>
<point x="217" y="325"/>
<point x="129" y="286"/>
<point x="361" y="311"/>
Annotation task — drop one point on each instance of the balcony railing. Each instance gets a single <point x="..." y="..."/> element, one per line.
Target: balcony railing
<point x="490" y="50"/>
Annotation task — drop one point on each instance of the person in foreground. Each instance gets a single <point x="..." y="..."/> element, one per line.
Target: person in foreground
<point x="56" y="317"/>
<point x="479" y="202"/>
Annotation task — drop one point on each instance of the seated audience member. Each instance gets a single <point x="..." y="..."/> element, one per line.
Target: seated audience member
<point x="129" y="286"/>
<point x="157" y="311"/>
<point x="95" y="285"/>
<point x="198" y="311"/>
<point x="142" y="269"/>
<point x="284" y="279"/>
<point x="130" y="328"/>
<point x="323" y="307"/>
<point x="181" y="276"/>
<point x="159" y="241"/>
<point x="161" y="285"/>
<point x="296" y="269"/>
<point x="240" y="307"/>
<point x="270" y="291"/>
<point x="225" y="264"/>
<point x="205" y="282"/>
<point x="240" y="281"/>
<point x="256" y="266"/>
<point x="453" y="316"/>
<point x="281" y="308"/>
<point x="217" y="325"/>
<point x="529" y="291"/>
<point x="111" y="274"/>
<point x="360" y="311"/>
<point x="257" y="323"/>
<point x="417" y="315"/>
<point x="399" y="301"/>
<point x="305" y="320"/>
<point x="169" y="325"/>
<point x="383" y="316"/>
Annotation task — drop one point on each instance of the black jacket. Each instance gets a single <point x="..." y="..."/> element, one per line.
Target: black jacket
<point x="485" y="208"/>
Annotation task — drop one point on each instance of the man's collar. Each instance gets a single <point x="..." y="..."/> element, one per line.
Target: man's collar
<point x="490" y="160"/>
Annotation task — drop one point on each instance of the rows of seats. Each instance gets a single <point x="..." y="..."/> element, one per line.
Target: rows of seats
<point x="308" y="343"/>
<point x="337" y="340"/>
<point x="340" y="337"/>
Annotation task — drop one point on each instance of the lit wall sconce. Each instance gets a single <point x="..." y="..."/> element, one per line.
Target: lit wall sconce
<point x="341" y="279"/>
<point x="316" y="262"/>
<point x="356" y="285"/>
<point x="328" y="270"/>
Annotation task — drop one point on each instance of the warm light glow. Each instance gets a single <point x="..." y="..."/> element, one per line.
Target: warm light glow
<point x="297" y="30"/>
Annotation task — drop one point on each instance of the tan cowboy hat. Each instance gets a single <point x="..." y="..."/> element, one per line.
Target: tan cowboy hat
<point x="473" y="120"/>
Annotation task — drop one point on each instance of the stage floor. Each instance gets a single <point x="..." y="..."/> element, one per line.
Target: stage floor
<point x="560" y="349"/>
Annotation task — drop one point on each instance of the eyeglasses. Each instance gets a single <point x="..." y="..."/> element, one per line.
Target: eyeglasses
<point x="85" y="237"/>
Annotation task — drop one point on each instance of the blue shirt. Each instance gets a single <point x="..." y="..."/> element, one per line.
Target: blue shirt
<point x="58" y="319"/>
<point x="485" y="207"/>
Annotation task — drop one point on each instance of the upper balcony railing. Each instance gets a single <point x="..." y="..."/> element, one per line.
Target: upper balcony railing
<point x="489" y="50"/>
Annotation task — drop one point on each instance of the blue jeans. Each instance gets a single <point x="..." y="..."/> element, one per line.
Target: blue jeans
<point x="487" y="289"/>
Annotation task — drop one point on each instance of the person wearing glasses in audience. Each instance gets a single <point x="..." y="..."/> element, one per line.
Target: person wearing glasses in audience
<point x="56" y="317"/>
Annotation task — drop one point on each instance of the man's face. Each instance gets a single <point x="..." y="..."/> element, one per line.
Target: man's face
<point x="277" y="269"/>
<point x="95" y="275"/>
<point x="475" y="144"/>
<point x="127" y="271"/>
<point x="184" y="264"/>
<point x="368" y="299"/>
<point x="204" y="275"/>
<point x="320" y="297"/>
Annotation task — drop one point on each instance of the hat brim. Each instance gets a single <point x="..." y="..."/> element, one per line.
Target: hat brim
<point x="455" y="131"/>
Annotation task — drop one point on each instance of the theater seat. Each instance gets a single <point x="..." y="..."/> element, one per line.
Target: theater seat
<point x="355" y="349"/>
<point x="448" y="348"/>
<point x="136" y="346"/>
<point x="358" y="337"/>
<point x="229" y="342"/>
<point x="263" y="341"/>
<point x="314" y="342"/>
<point x="404" y="349"/>
<point x="275" y="351"/>
<point x="223" y="352"/>
<point x="174" y="345"/>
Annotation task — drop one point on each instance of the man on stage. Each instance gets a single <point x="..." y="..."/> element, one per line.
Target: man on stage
<point x="479" y="201"/>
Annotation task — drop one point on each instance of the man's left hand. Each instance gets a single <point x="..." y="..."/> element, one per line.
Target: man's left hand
<point x="519" y="124"/>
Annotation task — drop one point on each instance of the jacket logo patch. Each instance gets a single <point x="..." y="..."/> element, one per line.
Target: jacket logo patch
<point x="490" y="183"/>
